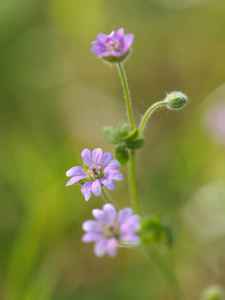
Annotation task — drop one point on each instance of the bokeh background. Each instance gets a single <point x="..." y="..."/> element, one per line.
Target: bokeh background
<point x="55" y="98"/>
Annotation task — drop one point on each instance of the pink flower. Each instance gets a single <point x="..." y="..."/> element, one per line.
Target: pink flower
<point x="113" y="46"/>
<point x="110" y="228"/>
<point x="101" y="171"/>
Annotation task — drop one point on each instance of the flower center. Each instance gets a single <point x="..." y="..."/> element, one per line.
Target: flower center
<point x="111" y="230"/>
<point x="113" y="46"/>
<point x="95" y="172"/>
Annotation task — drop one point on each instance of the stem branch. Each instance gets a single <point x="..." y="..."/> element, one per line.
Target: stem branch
<point x="147" y="115"/>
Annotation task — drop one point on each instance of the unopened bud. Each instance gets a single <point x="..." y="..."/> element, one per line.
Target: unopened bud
<point x="176" y="100"/>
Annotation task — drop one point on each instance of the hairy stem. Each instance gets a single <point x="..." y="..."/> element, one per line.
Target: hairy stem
<point x="133" y="184"/>
<point x="148" y="114"/>
<point x="132" y="174"/>
<point x="107" y="198"/>
<point x="126" y="94"/>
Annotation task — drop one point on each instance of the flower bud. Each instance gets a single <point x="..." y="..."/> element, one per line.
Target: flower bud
<point x="176" y="100"/>
<point x="213" y="293"/>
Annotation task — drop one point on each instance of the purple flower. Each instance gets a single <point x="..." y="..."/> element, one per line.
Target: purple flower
<point x="101" y="170"/>
<point x="113" y="47"/>
<point x="110" y="228"/>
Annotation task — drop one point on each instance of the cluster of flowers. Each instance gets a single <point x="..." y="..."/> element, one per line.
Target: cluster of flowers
<point x="110" y="227"/>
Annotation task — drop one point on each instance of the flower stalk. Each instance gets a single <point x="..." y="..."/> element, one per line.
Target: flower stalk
<point x="126" y="94"/>
<point x="133" y="184"/>
<point x="132" y="176"/>
<point x="107" y="198"/>
<point x="148" y="113"/>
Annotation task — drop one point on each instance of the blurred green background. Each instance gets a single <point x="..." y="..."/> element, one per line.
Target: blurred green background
<point x="55" y="97"/>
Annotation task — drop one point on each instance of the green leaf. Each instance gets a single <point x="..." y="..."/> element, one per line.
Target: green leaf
<point x="154" y="230"/>
<point x="132" y="135"/>
<point x="122" y="154"/>
<point x="122" y="129"/>
<point x="115" y="136"/>
<point x="110" y="135"/>
<point x="135" y="144"/>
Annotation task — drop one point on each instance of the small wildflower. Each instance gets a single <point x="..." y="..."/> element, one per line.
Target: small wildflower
<point x="114" y="47"/>
<point x="101" y="170"/>
<point x="110" y="228"/>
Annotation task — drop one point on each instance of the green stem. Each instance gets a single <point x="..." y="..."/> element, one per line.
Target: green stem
<point x="166" y="273"/>
<point x="133" y="184"/>
<point x="147" y="115"/>
<point x="132" y="176"/>
<point x="107" y="198"/>
<point x="126" y="94"/>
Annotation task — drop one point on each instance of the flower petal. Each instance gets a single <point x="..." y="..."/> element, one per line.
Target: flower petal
<point x="106" y="158"/>
<point x="75" y="171"/>
<point x="113" y="164"/>
<point x="96" y="50"/>
<point x="100" y="215"/>
<point x="97" y="156"/>
<point x="92" y="226"/>
<point x="75" y="179"/>
<point x="103" y="54"/>
<point x="128" y="40"/>
<point x="111" y="34"/>
<point x="91" y="237"/>
<point x="101" y="37"/>
<point x="113" y="175"/>
<point x="112" y="247"/>
<point x="124" y="214"/>
<point x="86" y="190"/>
<point x="96" y="188"/>
<point x="130" y="238"/>
<point x="120" y="32"/>
<point x="132" y="224"/>
<point x="100" y="247"/>
<point x="109" y="184"/>
<point x="87" y="158"/>
<point x="110" y="212"/>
